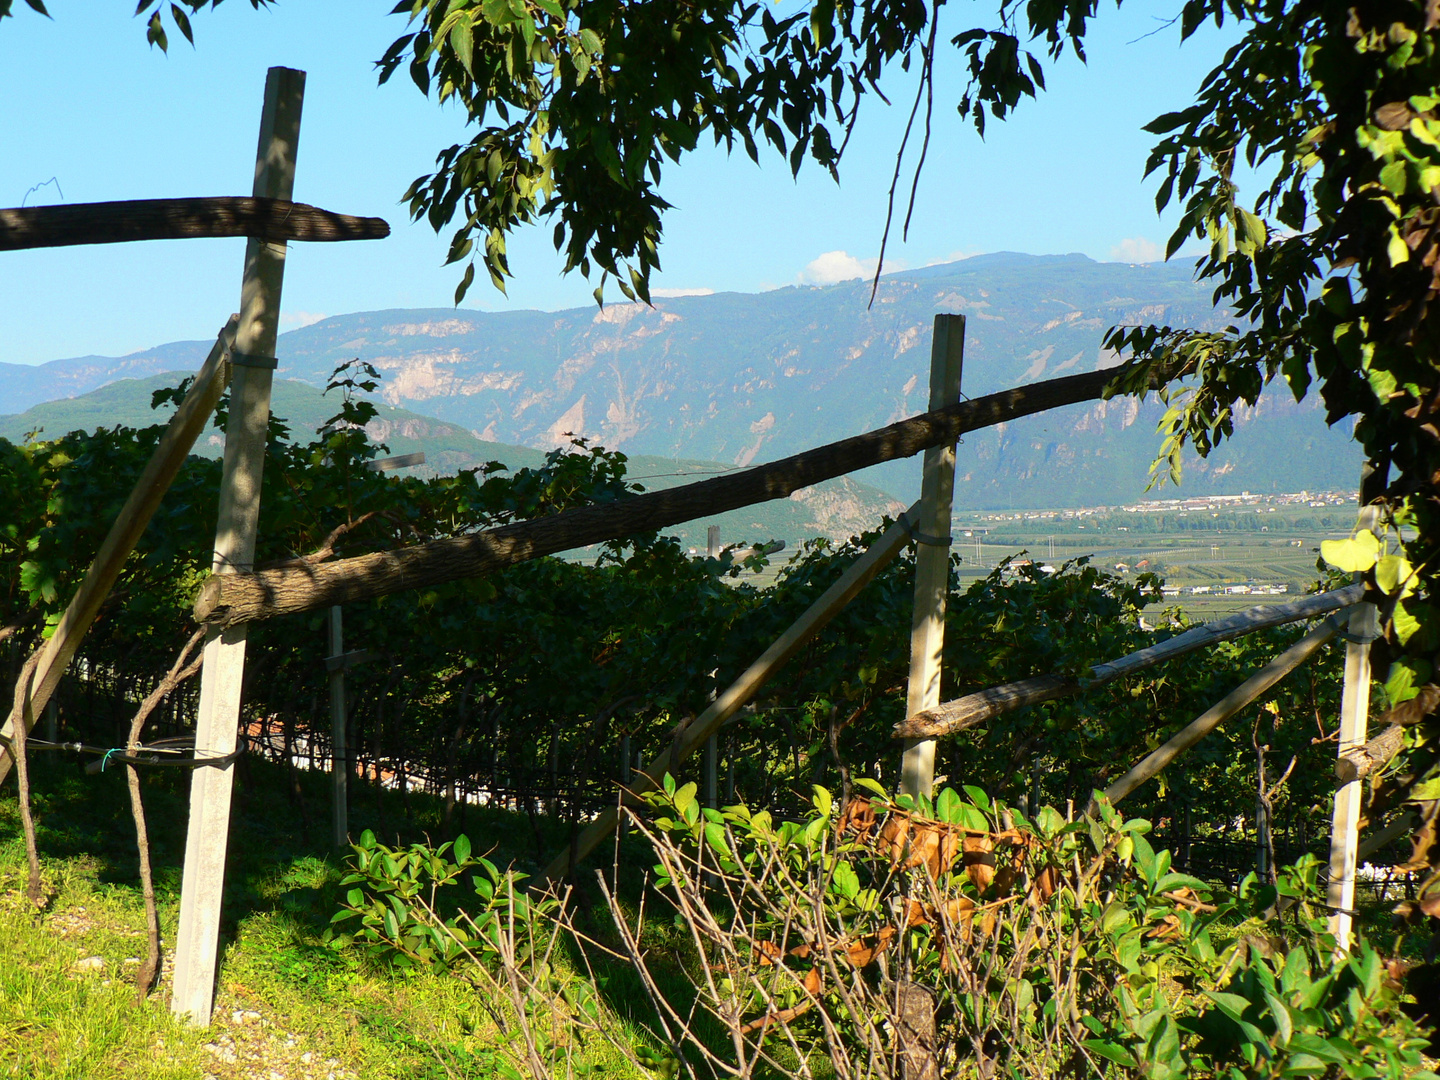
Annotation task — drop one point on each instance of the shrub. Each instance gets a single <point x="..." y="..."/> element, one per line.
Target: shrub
<point x="892" y="937"/>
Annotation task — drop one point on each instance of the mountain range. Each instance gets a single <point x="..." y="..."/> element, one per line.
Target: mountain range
<point x="740" y="378"/>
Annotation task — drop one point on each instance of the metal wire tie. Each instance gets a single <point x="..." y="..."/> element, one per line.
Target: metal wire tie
<point x="251" y="360"/>
<point x="922" y="538"/>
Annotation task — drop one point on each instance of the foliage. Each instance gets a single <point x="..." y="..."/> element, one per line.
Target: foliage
<point x="1045" y="947"/>
<point x="579" y="105"/>
<point x="529" y="679"/>
<point x="550" y="1020"/>
<point x="394" y="894"/>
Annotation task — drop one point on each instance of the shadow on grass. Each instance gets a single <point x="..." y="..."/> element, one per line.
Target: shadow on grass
<point x="283" y="880"/>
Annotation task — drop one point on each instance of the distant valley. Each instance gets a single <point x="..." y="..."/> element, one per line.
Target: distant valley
<point x="744" y="378"/>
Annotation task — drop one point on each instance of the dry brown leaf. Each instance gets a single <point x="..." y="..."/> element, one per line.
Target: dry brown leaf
<point x="979" y="861"/>
<point x="858" y="817"/>
<point x="1168" y="927"/>
<point x="918" y="914"/>
<point x="861" y="955"/>
<point x="812" y="981"/>
<point x="1046" y="882"/>
<point x="893" y="836"/>
<point x="769" y="953"/>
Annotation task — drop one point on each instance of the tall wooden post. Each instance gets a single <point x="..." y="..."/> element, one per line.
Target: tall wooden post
<point x="1354" y="721"/>
<point x="932" y="562"/>
<point x="339" y="757"/>
<point x="216" y="729"/>
<point x="712" y="745"/>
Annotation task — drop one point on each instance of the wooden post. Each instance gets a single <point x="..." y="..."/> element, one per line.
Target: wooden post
<point x="966" y="712"/>
<point x="712" y="748"/>
<point x="339" y="759"/>
<point x="932" y="561"/>
<point x="1354" y="720"/>
<point x="198" y="938"/>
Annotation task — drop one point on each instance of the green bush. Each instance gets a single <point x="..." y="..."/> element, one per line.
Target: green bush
<point x="959" y="938"/>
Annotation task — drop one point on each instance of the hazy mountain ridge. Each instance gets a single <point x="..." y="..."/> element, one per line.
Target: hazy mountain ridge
<point x="743" y="378"/>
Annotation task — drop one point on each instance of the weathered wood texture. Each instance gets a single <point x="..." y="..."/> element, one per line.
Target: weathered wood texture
<point x="688" y="739"/>
<point x="1354" y="726"/>
<point x="222" y="679"/>
<point x="1358" y="762"/>
<point x="237" y="598"/>
<point x="1153" y="764"/>
<point x="932" y="560"/>
<point x="179" y="219"/>
<point x="972" y="709"/>
<point x="915" y="1032"/>
<point x="165" y="462"/>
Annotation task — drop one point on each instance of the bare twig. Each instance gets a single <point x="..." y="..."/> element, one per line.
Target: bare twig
<point x="180" y="670"/>
<point x="33" y="891"/>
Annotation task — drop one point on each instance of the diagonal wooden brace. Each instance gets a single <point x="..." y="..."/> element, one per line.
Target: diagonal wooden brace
<point x="174" y="446"/>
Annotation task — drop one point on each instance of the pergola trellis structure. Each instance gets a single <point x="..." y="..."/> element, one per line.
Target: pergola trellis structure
<point x="236" y="595"/>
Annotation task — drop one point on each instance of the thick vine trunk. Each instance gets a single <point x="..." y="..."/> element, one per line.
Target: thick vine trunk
<point x="236" y="598"/>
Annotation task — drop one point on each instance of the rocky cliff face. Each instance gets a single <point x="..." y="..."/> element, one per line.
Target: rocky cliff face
<point x="742" y="378"/>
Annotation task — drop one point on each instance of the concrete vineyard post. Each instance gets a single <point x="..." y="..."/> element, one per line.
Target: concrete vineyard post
<point x="339" y="758"/>
<point x="1354" y="720"/>
<point x="932" y="561"/>
<point x="217" y="725"/>
<point x="712" y="746"/>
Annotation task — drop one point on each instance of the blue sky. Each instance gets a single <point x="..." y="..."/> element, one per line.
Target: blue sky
<point x="91" y="105"/>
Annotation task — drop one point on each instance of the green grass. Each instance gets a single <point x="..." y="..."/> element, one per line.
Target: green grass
<point x="320" y="1012"/>
<point x="286" y="1002"/>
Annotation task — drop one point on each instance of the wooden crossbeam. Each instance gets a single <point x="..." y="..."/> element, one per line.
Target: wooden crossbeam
<point x="230" y="599"/>
<point x="966" y="712"/>
<point x="179" y="219"/>
<point x="1259" y="683"/>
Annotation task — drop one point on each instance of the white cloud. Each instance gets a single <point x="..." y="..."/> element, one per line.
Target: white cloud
<point x="1137" y="249"/>
<point x="664" y="293"/>
<point x="836" y="266"/>
<point x="959" y="255"/>
<point x="294" y="320"/>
